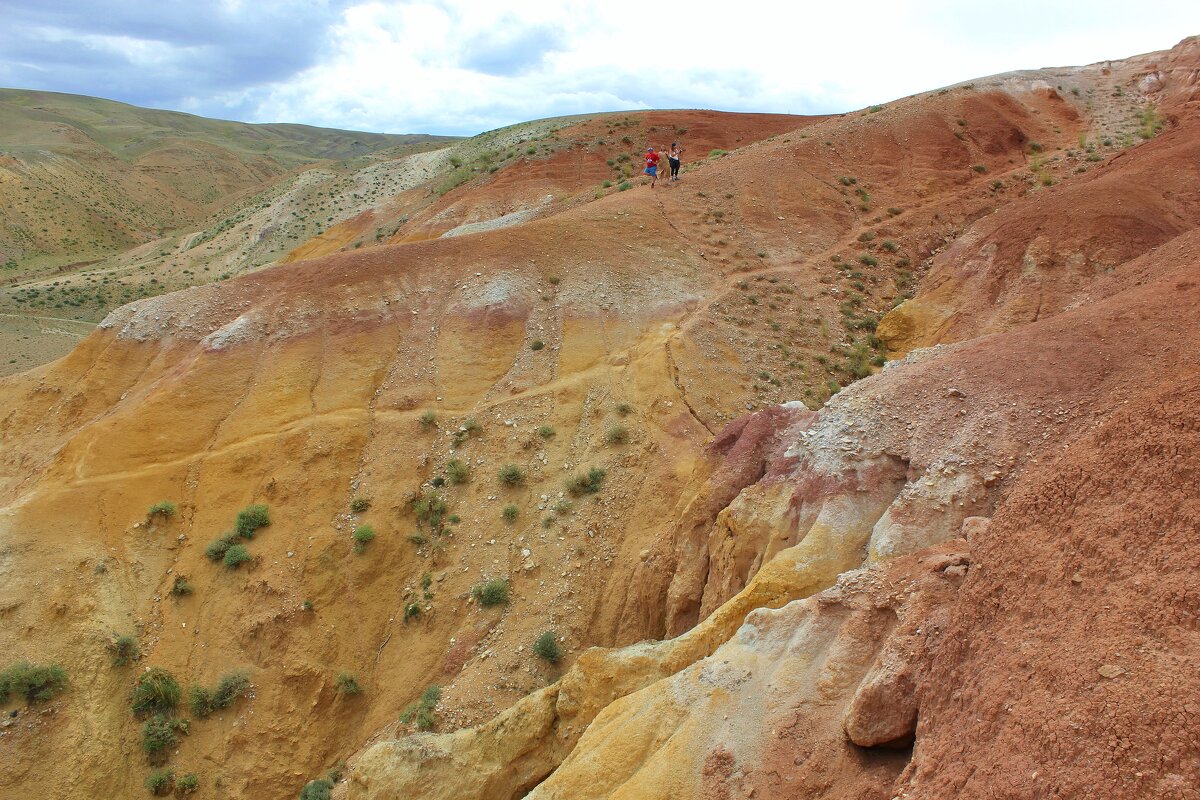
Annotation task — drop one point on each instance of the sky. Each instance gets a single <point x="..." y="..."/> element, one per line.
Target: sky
<point x="461" y="67"/>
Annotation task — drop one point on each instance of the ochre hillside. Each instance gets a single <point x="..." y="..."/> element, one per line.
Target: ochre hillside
<point x="657" y="433"/>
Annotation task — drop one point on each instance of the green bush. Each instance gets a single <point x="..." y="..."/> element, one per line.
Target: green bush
<point x="363" y="535"/>
<point x="360" y="504"/>
<point x="716" y="153"/>
<point x="159" y="782"/>
<point x="230" y="687"/>
<point x="235" y="556"/>
<point x="624" y="409"/>
<point x="868" y="260"/>
<point x="411" y="610"/>
<point x="155" y="692"/>
<point x="616" y="434"/>
<point x="428" y="419"/>
<point x="319" y="789"/>
<point x="164" y="508"/>
<point x="35" y="683"/>
<point x="181" y="587"/>
<point x="347" y="684"/>
<point x="187" y="784"/>
<point x="250" y="519"/>
<point x="623" y="185"/>
<point x="546" y="431"/>
<point x="457" y="471"/>
<point x="158" y="736"/>
<point x="546" y="647"/>
<point x="492" y="592"/>
<point x="430" y="508"/>
<point x="890" y="246"/>
<point x="588" y="483"/>
<point x="216" y="549"/>
<point x="537" y="345"/>
<point x="124" y="649"/>
<point x="510" y="513"/>
<point x="511" y="475"/>
<point x="422" y="710"/>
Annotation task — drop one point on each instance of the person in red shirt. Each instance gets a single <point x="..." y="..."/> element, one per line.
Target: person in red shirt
<point x="652" y="165"/>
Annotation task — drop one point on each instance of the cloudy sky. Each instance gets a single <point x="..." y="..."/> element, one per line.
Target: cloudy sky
<point x="464" y="66"/>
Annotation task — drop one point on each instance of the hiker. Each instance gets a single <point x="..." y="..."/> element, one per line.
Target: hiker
<point x="673" y="157"/>
<point x="652" y="165"/>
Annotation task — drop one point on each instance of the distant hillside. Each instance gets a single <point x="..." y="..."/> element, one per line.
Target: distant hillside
<point x="82" y="177"/>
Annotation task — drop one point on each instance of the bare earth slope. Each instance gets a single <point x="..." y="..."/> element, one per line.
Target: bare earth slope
<point x="632" y="332"/>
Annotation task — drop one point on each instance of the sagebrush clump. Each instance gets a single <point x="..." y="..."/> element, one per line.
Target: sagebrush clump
<point x="155" y="692"/>
<point x="588" y="483"/>
<point x="250" y="519"/>
<point x="421" y="712"/>
<point x="346" y="684"/>
<point x="34" y="682"/>
<point x="546" y="647"/>
<point x="492" y="592"/>
<point x="229" y="688"/>
<point x="363" y="535"/>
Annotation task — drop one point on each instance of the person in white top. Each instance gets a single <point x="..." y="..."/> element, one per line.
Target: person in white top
<point x="673" y="157"/>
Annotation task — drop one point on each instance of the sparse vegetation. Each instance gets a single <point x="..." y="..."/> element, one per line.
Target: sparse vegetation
<point x="716" y="152"/>
<point x="363" y="535"/>
<point x="616" y="434"/>
<point x="510" y="513"/>
<point x="360" y="504"/>
<point x="217" y="548"/>
<point x="124" y="650"/>
<point x="511" y="475"/>
<point x="346" y="684"/>
<point x="430" y="509"/>
<point x="229" y="688"/>
<point x="187" y="784"/>
<point x="164" y="509"/>
<point x="250" y="519"/>
<point x="159" y="782"/>
<point x="546" y="647"/>
<point x="319" y="789"/>
<point x="155" y="692"/>
<point x="235" y="556"/>
<point x="34" y="682"/>
<point x="159" y="735"/>
<point x="624" y="409"/>
<point x="428" y="419"/>
<point x="546" y="431"/>
<point x="588" y="483"/>
<point x="180" y="587"/>
<point x="421" y="712"/>
<point x="457" y="471"/>
<point x="491" y="592"/>
<point x="980" y="168"/>
<point x="537" y="345"/>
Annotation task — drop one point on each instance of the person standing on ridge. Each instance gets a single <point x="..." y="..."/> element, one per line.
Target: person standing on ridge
<point x="652" y="165"/>
<point x="673" y="158"/>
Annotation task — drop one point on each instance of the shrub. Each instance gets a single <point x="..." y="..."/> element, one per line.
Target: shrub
<point x="511" y="475"/>
<point x="200" y="701"/>
<point x="250" y="519"/>
<point x="188" y="783"/>
<point x="124" y="649"/>
<point x="319" y="789"/>
<point x="890" y="246"/>
<point x="363" y="534"/>
<point x="457" y="471"/>
<point x="159" y="782"/>
<point x="492" y="592"/>
<point x="537" y="345"/>
<point x="868" y="260"/>
<point x="360" y="504"/>
<point x="155" y="692"/>
<point x="158" y="736"/>
<point x="623" y="185"/>
<point x="893" y="211"/>
<point x="36" y="683"/>
<point x="587" y="483"/>
<point x="562" y="507"/>
<point x="546" y="647"/>
<point x="624" y="409"/>
<point x="546" y="431"/>
<point x="307" y="605"/>
<point x="510" y="513"/>
<point x="347" y="684"/>
<point x="607" y="184"/>
<point x="716" y="153"/>
<point x="428" y="419"/>
<point x="411" y="610"/>
<point x="616" y="434"/>
<point x="216" y="549"/>
<point x="980" y="168"/>
<point x="164" y="508"/>
<point x="429" y="509"/>
<point x="230" y="687"/>
<point x="422" y="710"/>
<point x="235" y="556"/>
<point x="181" y="587"/>
<point x="866" y="236"/>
